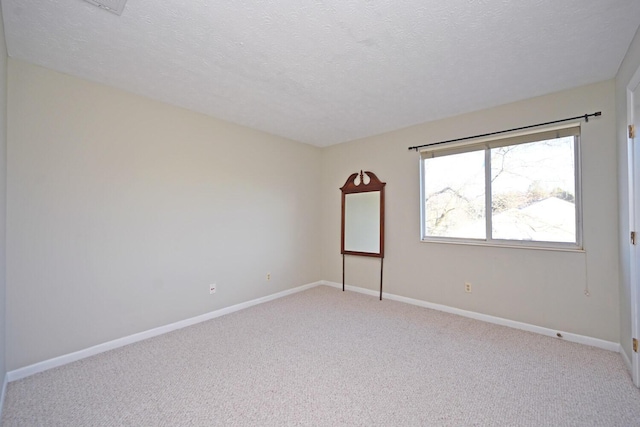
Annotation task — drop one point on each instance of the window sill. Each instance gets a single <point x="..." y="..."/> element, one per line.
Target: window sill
<point x="575" y="249"/>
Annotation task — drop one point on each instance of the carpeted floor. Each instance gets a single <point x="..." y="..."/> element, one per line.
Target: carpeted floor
<point x="326" y="358"/>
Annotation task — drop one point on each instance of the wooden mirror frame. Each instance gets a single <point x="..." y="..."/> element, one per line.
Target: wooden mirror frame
<point x="350" y="187"/>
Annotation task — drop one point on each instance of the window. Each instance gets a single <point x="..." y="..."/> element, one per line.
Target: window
<point x="520" y="190"/>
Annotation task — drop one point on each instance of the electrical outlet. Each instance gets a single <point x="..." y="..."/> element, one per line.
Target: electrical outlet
<point x="212" y="288"/>
<point x="268" y="276"/>
<point x="467" y="287"/>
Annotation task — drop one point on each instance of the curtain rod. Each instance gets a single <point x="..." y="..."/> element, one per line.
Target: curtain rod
<point x="585" y="117"/>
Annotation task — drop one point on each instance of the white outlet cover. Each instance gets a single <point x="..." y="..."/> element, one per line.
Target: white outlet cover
<point x="212" y="289"/>
<point x="115" y="6"/>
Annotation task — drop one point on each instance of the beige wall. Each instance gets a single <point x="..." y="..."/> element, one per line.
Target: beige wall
<point x="539" y="287"/>
<point x="122" y="210"/>
<point x="628" y="68"/>
<point x="3" y="191"/>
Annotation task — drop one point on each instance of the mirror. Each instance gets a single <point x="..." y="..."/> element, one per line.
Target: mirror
<point x="362" y="222"/>
<point x="363" y="215"/>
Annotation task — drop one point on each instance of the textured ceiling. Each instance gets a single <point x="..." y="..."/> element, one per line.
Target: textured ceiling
<point x="325" y="72"/>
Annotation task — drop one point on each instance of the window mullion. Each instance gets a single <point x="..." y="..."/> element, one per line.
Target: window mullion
<point x="487" y="194"/>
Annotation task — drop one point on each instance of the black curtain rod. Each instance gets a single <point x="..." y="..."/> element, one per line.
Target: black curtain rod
<point x="585" y="117"/>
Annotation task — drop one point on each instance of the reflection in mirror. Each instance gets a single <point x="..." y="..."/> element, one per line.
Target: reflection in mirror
<point x="362" y="222"/>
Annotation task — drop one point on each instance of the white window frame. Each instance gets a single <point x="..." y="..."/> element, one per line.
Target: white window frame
<point x="572" y="129"/>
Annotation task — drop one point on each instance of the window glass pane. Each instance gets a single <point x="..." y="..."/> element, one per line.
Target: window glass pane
<point x="533" y="191"/>
<point x="454" y="190"/>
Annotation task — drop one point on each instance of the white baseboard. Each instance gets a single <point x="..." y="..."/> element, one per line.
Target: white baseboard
<point x="567" y="336"/>
<point x="26" y="371"/>
<point x="120" y="342"/>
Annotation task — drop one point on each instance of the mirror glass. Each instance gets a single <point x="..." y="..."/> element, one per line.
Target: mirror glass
<point x="362" y="222"/>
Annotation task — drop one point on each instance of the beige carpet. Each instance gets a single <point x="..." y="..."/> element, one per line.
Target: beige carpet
<point x="326" y="358"/>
